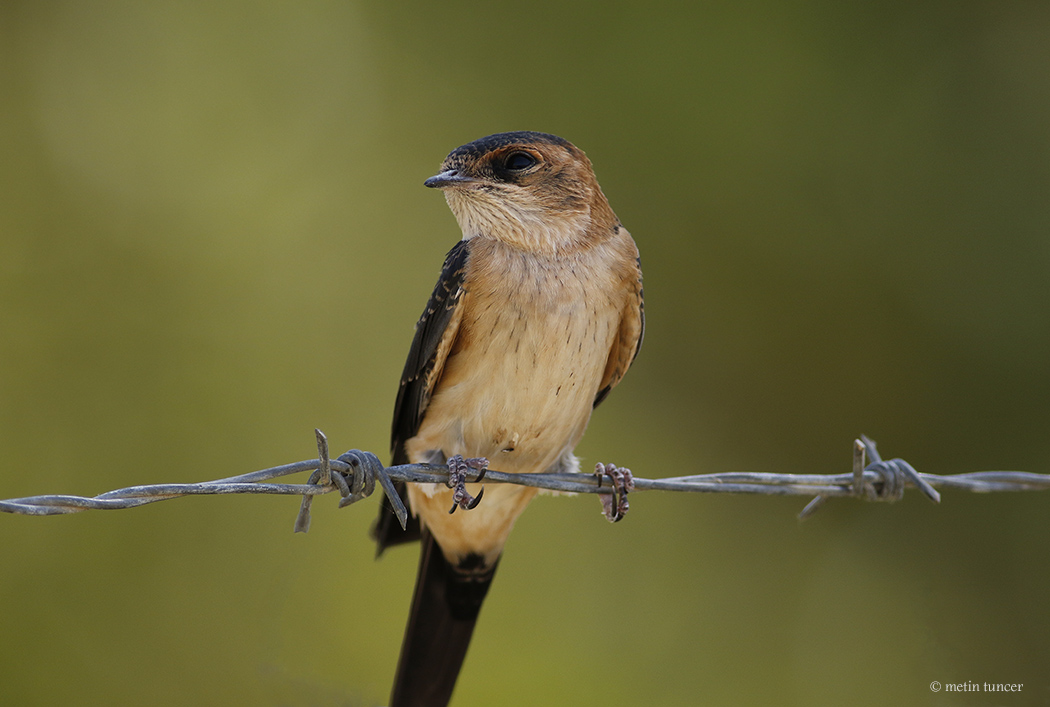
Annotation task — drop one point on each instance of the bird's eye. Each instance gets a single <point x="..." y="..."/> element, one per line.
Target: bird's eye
<point x="519" y="161"/>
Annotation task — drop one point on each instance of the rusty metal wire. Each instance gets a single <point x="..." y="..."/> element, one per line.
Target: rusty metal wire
<point x="355" y="474"/>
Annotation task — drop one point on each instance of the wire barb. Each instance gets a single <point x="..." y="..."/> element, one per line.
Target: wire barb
<point x="367" y="469"/>
<point x="322" y="477"/>
<point x="355" y="473"/>
<point x="891" y="477"/>
<point x="899" y="470"/>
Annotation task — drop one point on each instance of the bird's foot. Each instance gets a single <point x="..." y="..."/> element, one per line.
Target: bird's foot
<point x="457" y="481"/>
<point x="614" y="505"/>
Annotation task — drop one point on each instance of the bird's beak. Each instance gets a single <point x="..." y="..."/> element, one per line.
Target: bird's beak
<point x="449" y="177"/>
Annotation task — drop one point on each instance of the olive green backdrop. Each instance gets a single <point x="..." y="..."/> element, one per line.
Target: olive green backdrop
<point x="214" y="237"/>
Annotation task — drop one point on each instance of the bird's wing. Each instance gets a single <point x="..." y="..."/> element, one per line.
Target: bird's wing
<point x="628" y="339"/>
<point x="435" y="334"/>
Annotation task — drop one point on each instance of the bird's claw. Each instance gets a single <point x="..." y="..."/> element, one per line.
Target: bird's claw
<point x="614" y="505"/>
<point x="457" y="481"/>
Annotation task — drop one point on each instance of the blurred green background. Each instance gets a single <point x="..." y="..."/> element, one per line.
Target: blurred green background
<point x="214" y="237"/>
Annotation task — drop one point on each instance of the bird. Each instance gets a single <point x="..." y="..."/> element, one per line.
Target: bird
<point x="537" y="314"/>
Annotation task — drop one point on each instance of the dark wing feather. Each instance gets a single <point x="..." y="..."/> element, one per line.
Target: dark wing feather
<point x="435" y="332"/>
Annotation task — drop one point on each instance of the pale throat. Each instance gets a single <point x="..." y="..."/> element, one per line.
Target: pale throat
<point x="533" y="228"/>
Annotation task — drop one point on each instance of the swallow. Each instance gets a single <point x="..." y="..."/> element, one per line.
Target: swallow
<point x="536" y="316"/>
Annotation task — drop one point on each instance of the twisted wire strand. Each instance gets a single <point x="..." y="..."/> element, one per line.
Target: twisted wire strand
<point x="354" y="476"/>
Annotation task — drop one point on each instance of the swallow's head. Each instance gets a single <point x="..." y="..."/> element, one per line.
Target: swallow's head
<point x="532" y="190"/>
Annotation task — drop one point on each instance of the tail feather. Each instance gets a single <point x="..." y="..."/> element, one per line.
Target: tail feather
<point x="445" y="607"/>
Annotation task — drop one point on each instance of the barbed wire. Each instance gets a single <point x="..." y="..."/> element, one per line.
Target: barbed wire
<point x="355" y="474"/>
